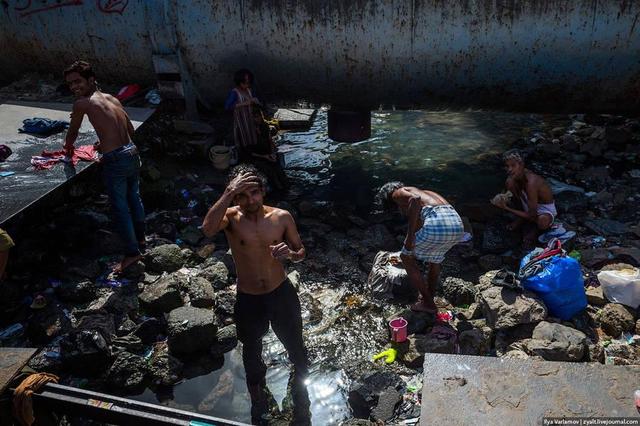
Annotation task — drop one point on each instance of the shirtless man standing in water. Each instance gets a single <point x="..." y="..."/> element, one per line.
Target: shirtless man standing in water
<point x="261" y="238"/>
<point x="120" y="159"/>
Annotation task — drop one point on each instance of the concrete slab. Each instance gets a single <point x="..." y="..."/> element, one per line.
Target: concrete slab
<point x="474" y="390"/>
<point x="11" y="362"/>
<point x="27" y="185"/>
<point x="291" y="118"/>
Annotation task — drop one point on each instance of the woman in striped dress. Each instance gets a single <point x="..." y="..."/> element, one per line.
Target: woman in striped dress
<point x="241" y="102"/>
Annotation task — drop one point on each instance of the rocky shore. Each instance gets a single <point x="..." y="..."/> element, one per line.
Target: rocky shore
<point x="170" y="317"/>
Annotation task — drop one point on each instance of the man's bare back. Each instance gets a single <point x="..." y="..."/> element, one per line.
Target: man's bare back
<point x="108" y="118"/>
<point x="258" y="271"/>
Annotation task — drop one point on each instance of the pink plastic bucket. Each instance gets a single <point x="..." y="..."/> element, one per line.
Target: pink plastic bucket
<point x="398" y="328"/>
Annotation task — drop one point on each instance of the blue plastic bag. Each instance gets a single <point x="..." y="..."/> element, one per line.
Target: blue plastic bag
<point x="559" y="284"/>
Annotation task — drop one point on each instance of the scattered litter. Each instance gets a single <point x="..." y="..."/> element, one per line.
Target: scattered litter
<point x="105" y="281"/>
<point x="128" y="91"/>
<point x="192" y="204"/>
<point x="389" y="356"/>
<point x="444" y="316"/>
<point x="576" y="255"/>
<point x="153" y="97"/>
<point x="42" y="126"/>
<point x="597" y="242"/>
<point x="11" y="331"/>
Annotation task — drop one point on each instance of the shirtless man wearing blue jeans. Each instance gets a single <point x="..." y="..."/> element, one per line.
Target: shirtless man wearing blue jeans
<point x="120" y="159"/>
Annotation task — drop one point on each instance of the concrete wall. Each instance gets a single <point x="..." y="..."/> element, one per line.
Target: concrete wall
<point x="535" y="54"/>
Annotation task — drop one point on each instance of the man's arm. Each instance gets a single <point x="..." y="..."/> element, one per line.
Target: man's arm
<point x="216" y="219"/>
<point x="77" y="114"/>
<point x="292" y="248"/>
<point x="531" y="215"/>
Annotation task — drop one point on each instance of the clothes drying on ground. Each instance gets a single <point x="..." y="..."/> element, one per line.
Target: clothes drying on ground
<point x="48" y="159"/>
<point x="42" y="126"/>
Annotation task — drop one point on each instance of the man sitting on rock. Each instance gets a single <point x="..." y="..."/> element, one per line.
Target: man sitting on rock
<point x="261" y="238"/>
<point x="538" y="208"/>
<point x="120" y="158"/>
<point x="434" y="228"/>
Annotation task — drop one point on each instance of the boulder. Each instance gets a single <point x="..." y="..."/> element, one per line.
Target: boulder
<point x="191" y="329"/>
<point x="504" y="308"/>
<point x="387" y="403"/>
<point x="428" y="343"/>
<point x="85" y="352"/>
<point x="164" y="368"/>
<point x="163" y="295"/>
<point x="226" y="340"/>
<point x="595" y="258"/>
<point x="201" y="293"/>
<point x="127" y="373"/>
<point x="475" y="341"/>
<point x="365" y="392"/>
<point x="102" y="323"/>
<point x="621" y="353"/>
<point x="458" y="291"/>
<point x="76" y="291"/>
<point x="556" y="342"/>
<point x="225" y="303"/>
<point x="616" y="319"/>
<point x="130" y="343"/>
<point x="167" y="257"/>
<point x="148" y="330"/>
<point x="217" y="274"/>
<point x="497" y="239"/>
<point x="606" y="227"/>
<point x="595" y="296"/>
<point x="46" y="324"/>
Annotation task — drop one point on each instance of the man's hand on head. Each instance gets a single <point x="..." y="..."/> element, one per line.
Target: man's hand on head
<point x="280" y="251"/>
<point x="242" y="183"/>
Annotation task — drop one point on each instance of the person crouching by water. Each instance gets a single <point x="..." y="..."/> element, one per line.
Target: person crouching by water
<point x="534" y="193"/>
<point x="261" y="239"/>
<point x="434" y="228"/>
<point x="120" y="159"/>
<point x="242" y="101"/>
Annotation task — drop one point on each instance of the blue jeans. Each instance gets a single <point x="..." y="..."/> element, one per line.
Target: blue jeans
<point x="121" y="172"/>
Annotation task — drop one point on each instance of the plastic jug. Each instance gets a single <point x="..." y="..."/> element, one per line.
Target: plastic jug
<point x="398" y="328"/>
<point x="621" y="286"/>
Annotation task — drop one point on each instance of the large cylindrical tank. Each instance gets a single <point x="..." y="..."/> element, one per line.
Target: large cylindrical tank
<point x="536" y="54"/>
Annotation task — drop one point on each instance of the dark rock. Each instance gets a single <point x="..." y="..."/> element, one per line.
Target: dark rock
<point x="165" y="369"/>
<point x="217" y="274"/>
<point x="76" y="292"/>
<point x="556" y="342"/>
<point x="191" y="329"/>
<point x="79" y="268"/>
<point x="616" y="319"/>
<point x="505" y="308"/>
<point x="162" y="296"/>
<point x="46" y="363"/>
<point x="127" y="373"/>
<point x="595" y="258"/>
<point x="149" y="330"/>
<point x="201" y="293"/>
<point x="606" y="227"/>
<point x="130" y="343"/>
<point x="617" y="136"/>
<point x="458" y="291"/>
<point x="225" y="303"/>
<point x="506" y="338"/>
<point x="475" y="341"/>
<point x="168" y="257"/>
<point x="595" y="296"/>
<point x="497" y="239"/>
<point x="191" y="235"/>
<point x="571" y="201"/>
<point x="490" y="262"/>
<point x="108" y="242"/>
<point x="85" y="352"/>
<point x="226" y="340"/>
<point x="387" y="403"/>
<point x="126" y="327"/>
<point x="102" y="323"/>
<point x="46" y="324"/>
<point x="365" y="392"/>
<point x="427" y="343"/>
<point x="134" y="271"/>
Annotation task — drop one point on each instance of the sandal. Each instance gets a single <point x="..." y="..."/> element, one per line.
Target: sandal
<point x="508" y="279"/>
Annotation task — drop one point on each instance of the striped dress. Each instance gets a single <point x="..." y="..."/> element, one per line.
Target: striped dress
<point x="244" y="126"/>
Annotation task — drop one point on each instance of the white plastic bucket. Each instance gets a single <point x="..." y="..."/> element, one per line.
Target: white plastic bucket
<point x="220" y="156"/>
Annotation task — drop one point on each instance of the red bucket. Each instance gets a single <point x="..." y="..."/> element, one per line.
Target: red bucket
<point x="398" y="328"/>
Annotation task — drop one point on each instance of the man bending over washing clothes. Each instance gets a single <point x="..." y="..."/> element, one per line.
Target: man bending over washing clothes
<point x="534" y="193"/>
<point x="434" y="228"/>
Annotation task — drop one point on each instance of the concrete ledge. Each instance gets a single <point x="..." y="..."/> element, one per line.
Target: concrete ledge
<point x="470" y="390"/>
